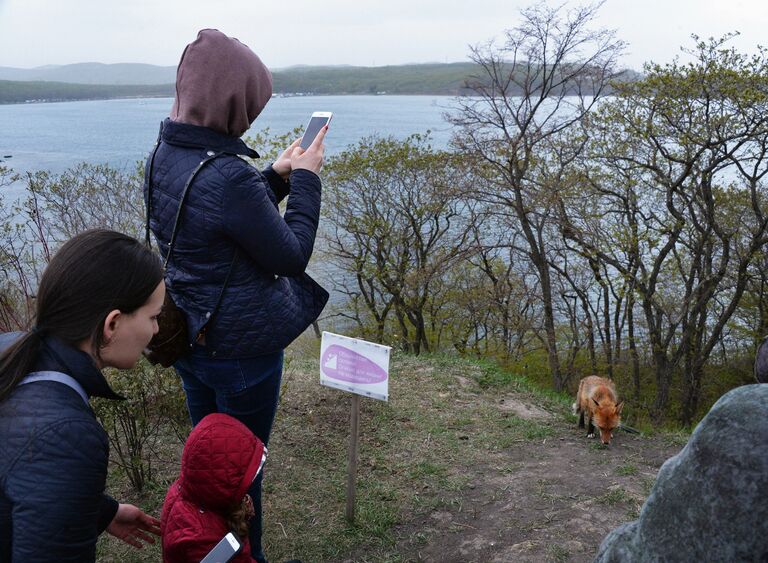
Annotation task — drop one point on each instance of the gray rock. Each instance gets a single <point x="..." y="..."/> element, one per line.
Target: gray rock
<point x="710" y="501"/>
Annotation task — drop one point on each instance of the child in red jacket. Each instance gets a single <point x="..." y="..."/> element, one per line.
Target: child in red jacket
<point x="209" y="499"/>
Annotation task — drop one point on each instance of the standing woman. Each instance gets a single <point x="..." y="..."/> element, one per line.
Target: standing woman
<point x="237" y="267"/>
<point x="97" y="307"/>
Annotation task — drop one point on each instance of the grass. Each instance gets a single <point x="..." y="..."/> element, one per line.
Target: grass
<point x="633" y="513"/>
<point x="627" y="469"/>
<point x="615" y="496"/>
<point x="648" y="483"/>
<point x="305" y="478"/>
<point x="621" y="497"/>
<point x="389" y="483"/>
<point x="678" y="437"/>
<point x="495" y="376"/>
<point x="558" y="553"/>
<point x="413" y="455"/>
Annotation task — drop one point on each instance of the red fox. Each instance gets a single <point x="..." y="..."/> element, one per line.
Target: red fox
<point x="597" y="400"/>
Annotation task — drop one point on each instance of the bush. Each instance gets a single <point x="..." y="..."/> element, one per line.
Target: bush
<point x="153" y="412"/>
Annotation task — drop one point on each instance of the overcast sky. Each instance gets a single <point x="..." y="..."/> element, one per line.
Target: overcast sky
<point x="358" y="32"/>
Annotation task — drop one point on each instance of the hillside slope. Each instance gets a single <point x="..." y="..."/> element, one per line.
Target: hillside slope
<point x="464" y="463"/>
<point x="94" y="73"/>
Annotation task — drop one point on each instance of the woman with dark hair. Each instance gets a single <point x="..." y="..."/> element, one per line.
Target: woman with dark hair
<point x="96" y="307"/>
<point x="237" y="266"/>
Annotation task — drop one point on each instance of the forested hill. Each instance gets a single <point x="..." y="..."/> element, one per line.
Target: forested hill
<point x="14" y="92"/>
<point x="83" y="82"/>
<point x="435" y="79"/>
<point x="93" y="73"/>
<point x="91" y="81"/>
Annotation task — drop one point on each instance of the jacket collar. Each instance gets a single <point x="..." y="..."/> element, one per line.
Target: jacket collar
<point x="195" y="136"/>
<point x="56" y="355"/>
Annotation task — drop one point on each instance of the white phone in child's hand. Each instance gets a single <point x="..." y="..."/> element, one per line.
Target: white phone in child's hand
<point x="318" y="120"/>
<point x="224" y="551"/>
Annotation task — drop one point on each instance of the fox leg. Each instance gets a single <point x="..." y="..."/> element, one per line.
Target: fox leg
<point x="590" y="429"/>
<point x="581" y="419"/>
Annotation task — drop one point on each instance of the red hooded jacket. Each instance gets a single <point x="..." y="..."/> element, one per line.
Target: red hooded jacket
<point x="220" y="460"/>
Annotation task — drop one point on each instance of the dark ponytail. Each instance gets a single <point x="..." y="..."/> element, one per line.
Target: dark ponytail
<point x="92" y="274"/>
<point x="23" y="352"/>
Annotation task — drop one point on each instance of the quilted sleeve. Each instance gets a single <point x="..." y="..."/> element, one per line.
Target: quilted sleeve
<point x="280" y="245"/>
<point x="56" y="490"/>
<point x="279" y="187"/>
<point x="107" y="510"/>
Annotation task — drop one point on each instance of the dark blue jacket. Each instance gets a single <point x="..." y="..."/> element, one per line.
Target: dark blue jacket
<point x="233" y="208"/>
<point x="53" y="463"/>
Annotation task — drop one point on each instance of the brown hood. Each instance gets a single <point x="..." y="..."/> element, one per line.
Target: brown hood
<point x="220" y="84"/>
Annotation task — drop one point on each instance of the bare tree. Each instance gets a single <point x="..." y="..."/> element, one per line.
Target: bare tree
<point x="395" y="225"/>
<point x="550" y="71"/>
<point x="690" y="142"/>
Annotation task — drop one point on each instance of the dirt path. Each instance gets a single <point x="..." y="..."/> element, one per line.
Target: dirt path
<point x="547" y="499"/>
<point x="463" y="464"/>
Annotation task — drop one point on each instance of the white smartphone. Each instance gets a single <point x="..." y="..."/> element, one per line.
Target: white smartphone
<point x="318" y="120"/>
<point x="224" y="551"/>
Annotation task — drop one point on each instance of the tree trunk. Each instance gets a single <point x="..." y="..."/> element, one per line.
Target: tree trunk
<point x="632" y="344"/>
<point x="663" y="383"/>
<point x="549" y="327"/>
<point x="693" y="379"/>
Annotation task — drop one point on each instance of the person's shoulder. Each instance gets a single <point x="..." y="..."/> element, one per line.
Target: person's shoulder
<point x="189" y="531"/>
<point x="172" y="496"/>
<point x="751" y="399"/>
<point x="50" y="401"/>
<point x="244" y="182"/>
<point x="72" y="427"/>
<point x="735" y="426"/>
<point x="182" y="517"/>
<point x="39" y="442"/>
<point x="234" y="166"/>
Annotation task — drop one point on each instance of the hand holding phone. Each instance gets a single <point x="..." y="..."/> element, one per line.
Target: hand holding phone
<point x="318" y="120"/>
<point x="283" y="163"/>
<point x="224" y="551"/>
<point x="311" y="158"/>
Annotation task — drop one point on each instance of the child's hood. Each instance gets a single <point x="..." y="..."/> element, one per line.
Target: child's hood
<point x="220" y="460"/>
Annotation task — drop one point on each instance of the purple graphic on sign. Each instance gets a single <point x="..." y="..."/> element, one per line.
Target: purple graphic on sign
<point x="344" y="364"/>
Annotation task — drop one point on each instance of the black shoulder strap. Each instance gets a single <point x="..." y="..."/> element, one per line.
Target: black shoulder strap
<point x="148" y="180"/>
<point x="209" y="157"/>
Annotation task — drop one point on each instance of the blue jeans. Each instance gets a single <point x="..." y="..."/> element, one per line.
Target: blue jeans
<point x="247" y="389"/>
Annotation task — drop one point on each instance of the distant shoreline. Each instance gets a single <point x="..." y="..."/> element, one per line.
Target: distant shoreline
<point x="100" y="82"/>
<point x="89" y="99"/>
<point x="107" y="82"/>
<point x="301" y="95"/>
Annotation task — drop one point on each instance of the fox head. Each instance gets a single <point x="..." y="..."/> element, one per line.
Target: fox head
<point x="606" y="418"/>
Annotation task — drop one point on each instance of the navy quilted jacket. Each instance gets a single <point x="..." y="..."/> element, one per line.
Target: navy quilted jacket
<point x="232" y="208"/>
<point x="53" y="463"/>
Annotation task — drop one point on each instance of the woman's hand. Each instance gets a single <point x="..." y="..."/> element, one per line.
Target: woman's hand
<point x="131" y="525"/>
<point x="283" y="163"/>
<point x="312" y="158"/>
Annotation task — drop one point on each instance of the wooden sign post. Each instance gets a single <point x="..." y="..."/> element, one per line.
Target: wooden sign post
<point x="361" y="368"/>
<point x="354" y="440"/>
